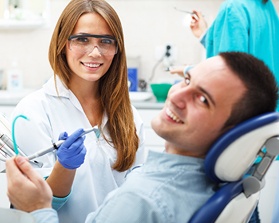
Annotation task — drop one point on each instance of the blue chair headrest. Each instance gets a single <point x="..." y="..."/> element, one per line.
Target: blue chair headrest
<point x="235" y="151"/>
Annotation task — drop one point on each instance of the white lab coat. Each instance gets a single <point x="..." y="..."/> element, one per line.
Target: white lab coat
<point x="49" y="116"/>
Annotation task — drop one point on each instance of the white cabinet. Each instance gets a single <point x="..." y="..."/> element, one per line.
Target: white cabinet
<point x="152" y="140"/>
<point x="6" y="110"/>
<point x="24" y="14"/>
<point x="8" y="100"/>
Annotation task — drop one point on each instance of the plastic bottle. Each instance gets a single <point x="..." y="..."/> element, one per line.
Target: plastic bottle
<point x="14" y="78"/>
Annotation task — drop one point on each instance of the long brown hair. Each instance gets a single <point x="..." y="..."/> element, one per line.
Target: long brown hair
<point x="113" y="86"/>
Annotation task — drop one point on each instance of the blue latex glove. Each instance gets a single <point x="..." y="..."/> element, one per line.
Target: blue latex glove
<point x="72" y="152"/>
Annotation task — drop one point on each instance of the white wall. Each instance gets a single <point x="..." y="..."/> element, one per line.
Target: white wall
<point x="30" y="48"/>
<point x="146" y="24"/>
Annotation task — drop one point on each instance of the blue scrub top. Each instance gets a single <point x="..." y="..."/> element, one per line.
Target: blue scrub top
<point x="247" y="26"/>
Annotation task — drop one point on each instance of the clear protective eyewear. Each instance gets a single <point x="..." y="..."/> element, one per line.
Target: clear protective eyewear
<point x="85" y="43"/>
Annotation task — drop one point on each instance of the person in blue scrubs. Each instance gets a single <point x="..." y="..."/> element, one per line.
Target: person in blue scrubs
<point x="214" y="96"/>
<point x="250" y="26"/>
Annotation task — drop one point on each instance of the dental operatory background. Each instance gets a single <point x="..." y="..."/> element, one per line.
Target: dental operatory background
<point x="149" y="25"/>
<point x="152" y="28"/>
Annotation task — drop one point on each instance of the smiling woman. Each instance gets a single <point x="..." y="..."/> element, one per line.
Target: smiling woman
<point x="89" y="89"/>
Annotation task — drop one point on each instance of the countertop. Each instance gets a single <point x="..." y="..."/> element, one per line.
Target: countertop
<point x="12" y="98"/>
<point x="145" y="100"/>
<point x="149" y="104"/>
<point x="8" y="98"/>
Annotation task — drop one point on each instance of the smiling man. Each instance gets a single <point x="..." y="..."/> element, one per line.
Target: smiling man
<point x="214" y="96"/>
<point x="199" y="107"/>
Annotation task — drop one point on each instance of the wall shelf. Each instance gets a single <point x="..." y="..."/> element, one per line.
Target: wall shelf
<point x="21" y="24"/>
<point x="24" y="14"/>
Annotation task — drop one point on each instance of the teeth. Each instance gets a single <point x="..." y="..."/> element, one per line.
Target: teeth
<point x="91" y="64"/>
<point x="172" y="116"/>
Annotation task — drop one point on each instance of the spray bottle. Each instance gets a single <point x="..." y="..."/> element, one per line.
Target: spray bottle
<point x="14" y="77"/>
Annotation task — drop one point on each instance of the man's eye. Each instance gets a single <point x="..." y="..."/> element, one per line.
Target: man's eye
<point x="203" y="99"/>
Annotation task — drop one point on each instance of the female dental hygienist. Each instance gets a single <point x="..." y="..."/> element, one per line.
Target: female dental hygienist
<point x="89" y="88"/>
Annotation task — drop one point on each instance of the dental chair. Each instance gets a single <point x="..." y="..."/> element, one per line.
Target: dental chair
<point x="231" y="164"/>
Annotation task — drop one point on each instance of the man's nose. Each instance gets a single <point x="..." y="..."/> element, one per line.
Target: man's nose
<point x="180" y="97"/>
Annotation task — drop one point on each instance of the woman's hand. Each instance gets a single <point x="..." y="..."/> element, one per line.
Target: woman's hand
<point x="72" y="152"/>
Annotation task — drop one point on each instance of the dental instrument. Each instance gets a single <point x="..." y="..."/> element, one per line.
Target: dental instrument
<point x="7" y="148"/>
<point x="7" y="140"/>
<point x="57" y="144"/>
<point x="45" y="151"/>
<point x="188" y="12"/>
<point x="4" y="148"/>
<point x="6" y="144"/>
<point x="185" y="11"/>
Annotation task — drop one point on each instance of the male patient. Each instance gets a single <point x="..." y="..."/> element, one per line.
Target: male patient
<point x="214" y="96"/>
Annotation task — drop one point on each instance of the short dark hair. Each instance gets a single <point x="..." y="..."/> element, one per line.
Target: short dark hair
<point x="261" y="93"/>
